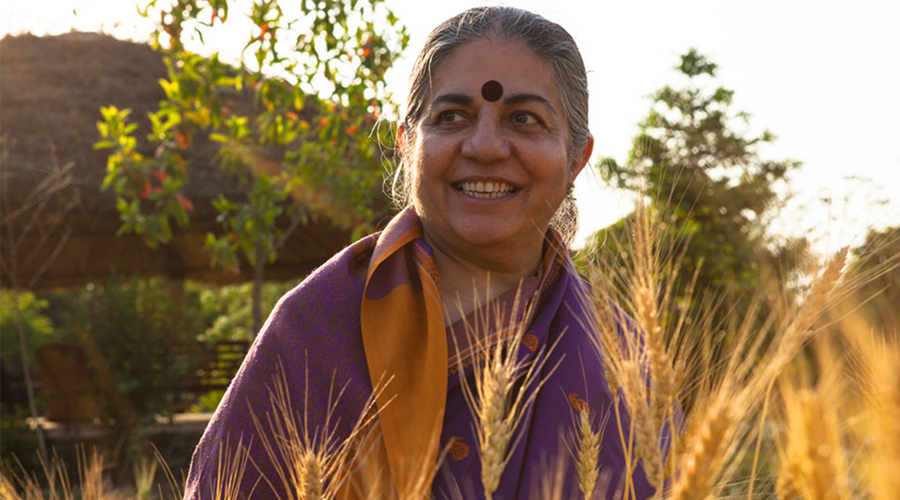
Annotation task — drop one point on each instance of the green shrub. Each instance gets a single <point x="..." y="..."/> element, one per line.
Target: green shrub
<point x="225" y="313"/>
<point x="137" y="327"/>
<point x="39" y="330"/>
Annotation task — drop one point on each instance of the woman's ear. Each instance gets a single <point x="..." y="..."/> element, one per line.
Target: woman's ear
<point x="582" y="158"/>
<point x="401" y="139"/>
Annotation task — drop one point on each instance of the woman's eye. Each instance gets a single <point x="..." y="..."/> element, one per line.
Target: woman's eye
<point x="525" y="118"/>
<point x="448" y="117"/>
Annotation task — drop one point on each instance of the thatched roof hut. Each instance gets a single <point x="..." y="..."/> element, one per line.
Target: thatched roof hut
<point x="51" y="90"/>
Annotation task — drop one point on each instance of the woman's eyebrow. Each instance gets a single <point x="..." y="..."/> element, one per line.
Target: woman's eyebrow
<point x="524" y="98"/>
<point x="460" y="99"/>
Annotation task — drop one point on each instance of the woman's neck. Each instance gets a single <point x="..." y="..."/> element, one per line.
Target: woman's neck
<point x="469" y="282"/>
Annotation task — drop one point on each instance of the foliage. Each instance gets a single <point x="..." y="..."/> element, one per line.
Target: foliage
<point x="223" y="313"/>
<point x="19" y="440"/>
<point x="133" y="322"/>
<point x="877" y="267"/>
<point x="694" y="162"/>
<point x="209" y="401"/>
<point x="38" y="328"/>
<point x="310" y="145"/>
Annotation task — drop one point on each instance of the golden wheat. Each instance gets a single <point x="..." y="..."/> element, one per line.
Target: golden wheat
<point x="316" y="461"/>
<point x="878" y="360"/>
<point x="704" y="459"/>
<point x="587" y="457"/>
<point x="496" y="407"/>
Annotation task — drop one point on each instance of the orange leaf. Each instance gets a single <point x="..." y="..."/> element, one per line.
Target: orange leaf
<point x="184" y="202"/>
<point x="183" y="139"/>
<point x="351" y="129"/>
<point x="159" y="174"/>
<point x="323" y="122"/>
<point x="180" y="161"/>
<point x="366" y="51"/>
<point x="146" y="192"/>
<point x="292" y="115"/>
<point x="264" y="27"/>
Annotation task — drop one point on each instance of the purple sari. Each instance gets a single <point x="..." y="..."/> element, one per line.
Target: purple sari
<point x="374" y="310"/>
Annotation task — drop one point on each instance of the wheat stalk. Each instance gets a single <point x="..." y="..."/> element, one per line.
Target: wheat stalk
<point x="646" y="268"/>
<point x="705" y="455"/>
<point x="311" y="478"/>
<point x="878" y="359"/>
<point x="797" y="332"/>
<point x="785" y="485"/>
<point x="144" y="474"/>
<point x="588" y="452"/>
<point x="495" y="406"/>
<point x="231" y="466"/>
<point x="317" y="460"/>
<point x="813" y="454"/>
<point x="646" y="433"/>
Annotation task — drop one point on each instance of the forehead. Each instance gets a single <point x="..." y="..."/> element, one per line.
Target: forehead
<point x="512" y="64"/>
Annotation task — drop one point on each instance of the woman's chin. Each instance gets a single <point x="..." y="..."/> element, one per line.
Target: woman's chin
<point x="497" y="235"/>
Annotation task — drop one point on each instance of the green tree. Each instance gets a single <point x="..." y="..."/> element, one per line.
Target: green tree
<point x="696" y="163"/>
<point x="876" y="271"/>
<point x="309" y="146"/>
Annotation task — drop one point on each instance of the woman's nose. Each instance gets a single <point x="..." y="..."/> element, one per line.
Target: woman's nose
<point x="487" y="142"/>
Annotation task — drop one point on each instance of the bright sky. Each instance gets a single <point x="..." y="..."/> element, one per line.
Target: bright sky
<point x="822" y="75"/>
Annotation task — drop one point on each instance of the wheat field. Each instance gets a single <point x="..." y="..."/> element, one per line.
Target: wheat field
<point x="788" y="398"/>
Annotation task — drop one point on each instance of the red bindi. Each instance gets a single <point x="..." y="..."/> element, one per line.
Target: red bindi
<point x="492" y="90"/>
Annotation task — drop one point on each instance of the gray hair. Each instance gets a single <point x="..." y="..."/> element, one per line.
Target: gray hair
<point x="545" y="39"/>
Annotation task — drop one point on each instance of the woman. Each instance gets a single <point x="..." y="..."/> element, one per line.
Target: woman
<point x="494" y="136"/>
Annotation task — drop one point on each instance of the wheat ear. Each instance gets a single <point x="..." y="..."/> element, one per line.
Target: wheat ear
<point x="316" y="461"/>
<point x="497" y="409"/>
<point x="812" y="457"/>
<point x="797" y="331"/>
<point x="588" y="455"/>
<point x="878" y="360"/>
<point x="706" y="452"/>
<point x="645" y="430"/>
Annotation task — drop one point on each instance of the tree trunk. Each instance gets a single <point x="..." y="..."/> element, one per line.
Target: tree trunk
<point x="29" y="385"/>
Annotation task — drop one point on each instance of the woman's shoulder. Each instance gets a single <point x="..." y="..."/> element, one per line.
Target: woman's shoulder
<point x="340" y="275"/>
<point x="333" y="291"/>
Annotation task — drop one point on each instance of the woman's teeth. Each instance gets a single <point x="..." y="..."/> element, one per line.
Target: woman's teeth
<point x="486" y="189"/>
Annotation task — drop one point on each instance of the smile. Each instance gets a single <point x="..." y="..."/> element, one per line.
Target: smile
<point x="489" y="189"/>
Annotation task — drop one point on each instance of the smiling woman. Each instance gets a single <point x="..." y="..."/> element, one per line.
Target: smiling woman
<point x="487" y="175"/>
<point x="467" y="303"/>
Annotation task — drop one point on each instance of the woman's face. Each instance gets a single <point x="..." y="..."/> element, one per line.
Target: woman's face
<point x="491" y="173"/>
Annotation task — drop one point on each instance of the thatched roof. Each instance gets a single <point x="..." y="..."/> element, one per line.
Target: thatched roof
<point x="51" y="90"/>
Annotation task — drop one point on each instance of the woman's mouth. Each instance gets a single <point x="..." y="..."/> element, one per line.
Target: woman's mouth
<point x="485" y="189"/>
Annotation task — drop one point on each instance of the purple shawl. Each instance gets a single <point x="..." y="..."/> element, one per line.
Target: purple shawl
<point x="321" y="336"/>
